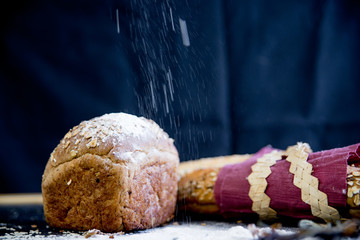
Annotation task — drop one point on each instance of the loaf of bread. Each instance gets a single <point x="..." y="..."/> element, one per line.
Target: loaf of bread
<point x="117" y="172"/>
<point x="198" y="178"/>
<point x="197" y="181"/>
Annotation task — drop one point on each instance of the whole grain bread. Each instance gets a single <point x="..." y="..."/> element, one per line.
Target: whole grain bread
<point x="117" y="172"/>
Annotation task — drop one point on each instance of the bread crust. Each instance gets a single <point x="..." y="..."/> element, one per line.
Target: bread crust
<point x="115" y="172"/>
<point x="197" y="181"/>
<point x="196" y="191"/>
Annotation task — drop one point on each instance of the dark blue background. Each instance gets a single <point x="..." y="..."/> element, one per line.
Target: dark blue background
<point x="256" y="73"/>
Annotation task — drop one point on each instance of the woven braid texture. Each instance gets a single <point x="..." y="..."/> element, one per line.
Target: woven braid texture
<point x="302" y="170"/>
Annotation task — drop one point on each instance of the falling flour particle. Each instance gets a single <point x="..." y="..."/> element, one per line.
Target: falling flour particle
<point x="172" y="20"/>
<point x="117" y="21"/>
<point x="166" y="99"/>
<point x="164" y="19"/>
<point x="170" y="82"/>
<point x="152" y="95"/>
<point x="184" y="32"/>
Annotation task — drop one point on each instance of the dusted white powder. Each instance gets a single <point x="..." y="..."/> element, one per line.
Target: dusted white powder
<point x="117" y="126"/>
<point x="133" y="157"/>
<point x="113" y="123"/>
<point x="194" y="230"/>
<point x="129" y="124"/>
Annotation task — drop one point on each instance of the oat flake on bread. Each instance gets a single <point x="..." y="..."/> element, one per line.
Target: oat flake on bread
<point x="122" y="171"/>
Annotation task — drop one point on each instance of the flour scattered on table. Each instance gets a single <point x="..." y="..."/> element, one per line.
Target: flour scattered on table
<point x="196" y="230"/>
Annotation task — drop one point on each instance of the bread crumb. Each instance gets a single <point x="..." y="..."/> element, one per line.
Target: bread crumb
<point x="91" y="232"/>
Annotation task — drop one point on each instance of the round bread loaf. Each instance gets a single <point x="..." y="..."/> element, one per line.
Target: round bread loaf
<point x="117" y="172"/>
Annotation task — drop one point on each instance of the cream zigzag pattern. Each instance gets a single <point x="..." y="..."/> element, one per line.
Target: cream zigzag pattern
<point x="257" y="180"/>
<point x="309" y="185"/>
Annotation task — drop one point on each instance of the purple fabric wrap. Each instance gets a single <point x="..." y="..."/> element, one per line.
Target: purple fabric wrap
<point x="330" y="167"/>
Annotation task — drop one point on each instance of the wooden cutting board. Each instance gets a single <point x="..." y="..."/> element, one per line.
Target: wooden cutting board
<point x="20" y="199"/>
